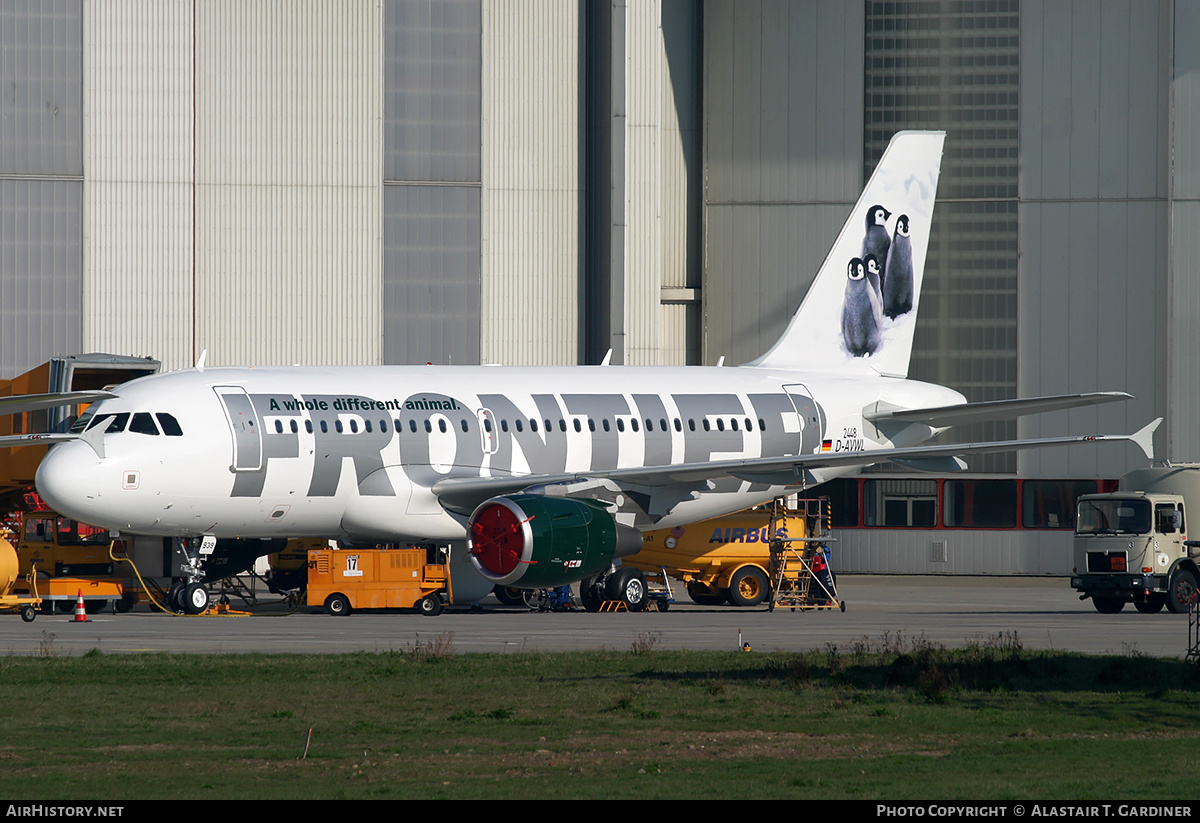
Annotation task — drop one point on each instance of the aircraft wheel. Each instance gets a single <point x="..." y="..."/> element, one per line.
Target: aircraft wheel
<point x="1152" y="604"/>
<point x="430" y="605"/>
<point x="338" y="605"/>
<point x="589" y="594"/>
<point x="194" y="598"/>
<point x="28" y="613"/>
<point x="1181" y="591"/>
<point x="1108" y="605"/>
<point x="748" y="586"/>
<point x="629" y="586"/>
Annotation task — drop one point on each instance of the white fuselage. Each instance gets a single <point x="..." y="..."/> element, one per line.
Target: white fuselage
<point x="354" y="452"/>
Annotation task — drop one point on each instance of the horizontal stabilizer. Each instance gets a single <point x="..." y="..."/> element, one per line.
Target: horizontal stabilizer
<point x="993" y="409"/>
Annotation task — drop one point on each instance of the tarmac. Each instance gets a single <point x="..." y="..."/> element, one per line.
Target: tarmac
<point x="881" y="611"/>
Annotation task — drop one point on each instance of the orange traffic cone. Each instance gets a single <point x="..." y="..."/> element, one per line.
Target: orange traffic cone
<point x="80" y="610"/>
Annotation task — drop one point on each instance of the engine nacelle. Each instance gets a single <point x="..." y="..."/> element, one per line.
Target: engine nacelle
<point x="532" y="541"/>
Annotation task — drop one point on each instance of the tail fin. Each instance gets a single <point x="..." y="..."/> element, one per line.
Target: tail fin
<point x="859" y="315"/>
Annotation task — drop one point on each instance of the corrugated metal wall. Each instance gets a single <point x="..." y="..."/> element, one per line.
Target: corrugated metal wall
<point x="41" y="181"/>
<point x="532" y="182"/>
<point x="1183" y="217"/>
<point x="644" y="193"/>
<point x="783" y="148"/>
<point x="932" y="551"/>
<point x="138" y="201"/>
<point x="431" y="198"/>
<point x="233" y="195"/>
<point x="1095" y="277"/>
<point x="288" y="181"/>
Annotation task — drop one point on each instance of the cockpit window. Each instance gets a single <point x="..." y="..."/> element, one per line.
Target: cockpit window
<point x="82" y="421"/>
<point x="110" y="423"/>
<point x="170" y="426"/>
<point x="143" y="423"/>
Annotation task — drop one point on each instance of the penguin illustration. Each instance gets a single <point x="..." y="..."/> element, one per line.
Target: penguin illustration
<point x="877" y="240"/>
<point x="874" y="276"/>
<point x="898" y="290"/>
<point x="860" y="312"/>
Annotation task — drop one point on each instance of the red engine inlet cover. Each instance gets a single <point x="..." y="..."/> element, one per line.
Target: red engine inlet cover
<point x="497" y="539"/>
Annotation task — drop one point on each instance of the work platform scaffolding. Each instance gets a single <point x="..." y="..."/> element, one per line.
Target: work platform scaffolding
<point x="799" y="570"/>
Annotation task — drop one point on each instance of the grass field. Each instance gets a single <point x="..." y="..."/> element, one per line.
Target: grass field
<point x="890" y="718"/>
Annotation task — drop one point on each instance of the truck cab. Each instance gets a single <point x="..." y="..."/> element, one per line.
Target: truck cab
<point x="1131" y="547"/>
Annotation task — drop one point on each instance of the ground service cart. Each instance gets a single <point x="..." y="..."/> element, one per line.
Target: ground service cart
<point x="342" y="580"/>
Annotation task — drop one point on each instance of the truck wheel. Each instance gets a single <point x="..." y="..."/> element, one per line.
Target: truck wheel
<point x="1181" y="591"/>
<point x="748" y="586"/>
<point x="338" y="605"/>
<point x="1108" y="605"/>
<point x="28" y="613"/>
<point x="430" y="605"/>
<point x="628" y="586"/>
<point x="1152" y="604"/>
<point x="703" y="596"/>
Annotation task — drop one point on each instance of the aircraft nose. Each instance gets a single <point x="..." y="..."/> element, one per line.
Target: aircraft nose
<point x="66" y="479"/>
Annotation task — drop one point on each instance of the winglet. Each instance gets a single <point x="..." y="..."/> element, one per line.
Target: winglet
<point x="1144" y="437"/>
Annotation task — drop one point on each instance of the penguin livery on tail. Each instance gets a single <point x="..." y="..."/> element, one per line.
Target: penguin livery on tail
<point x="898" y="290"/>
<point x="860" y="312"/>
<point x="876" y="242"/>
<point x="840" y="326"/>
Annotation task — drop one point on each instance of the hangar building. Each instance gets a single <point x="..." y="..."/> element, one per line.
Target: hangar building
<point x="538" y="181"/>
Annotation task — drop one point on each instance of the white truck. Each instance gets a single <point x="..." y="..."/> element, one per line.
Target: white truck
<point x="1131" y="545"/>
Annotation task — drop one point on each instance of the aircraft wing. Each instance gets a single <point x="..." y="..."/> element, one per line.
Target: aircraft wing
<point x="993" y="409"/>
<point x="463" y="494"/>
<point x="35" y="402"/>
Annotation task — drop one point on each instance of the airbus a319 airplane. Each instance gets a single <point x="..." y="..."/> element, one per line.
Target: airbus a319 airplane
<point x="544" y="475"/>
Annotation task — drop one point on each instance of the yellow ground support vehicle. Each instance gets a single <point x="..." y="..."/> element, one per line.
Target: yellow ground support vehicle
<point x="71" y="559"/>
<point x="342" y="580"/>
<point x="27" y="604"/>
<point x="727" y="559"/>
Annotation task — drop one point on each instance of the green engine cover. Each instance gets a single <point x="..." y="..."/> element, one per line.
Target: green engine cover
<point x="534" y="541"/>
